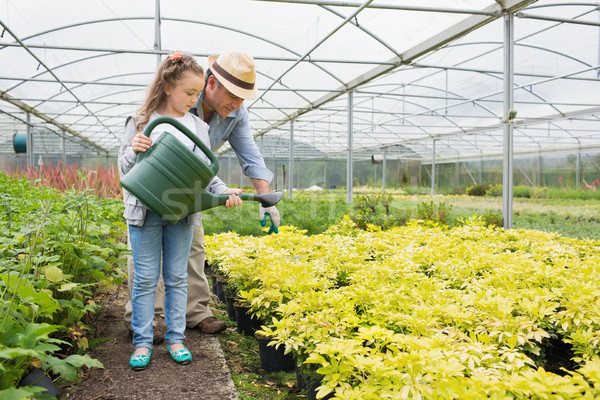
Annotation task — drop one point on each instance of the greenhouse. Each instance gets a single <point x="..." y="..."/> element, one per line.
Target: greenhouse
<point x="443" y="112"/>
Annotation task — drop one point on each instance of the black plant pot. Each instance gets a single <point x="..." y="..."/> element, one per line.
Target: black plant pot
<point x="300" y="382"/>
<point x="230" y="308"/>
<point x="246" y="323"/>
<point x="272" y="359"/>
<point x="214" y="284"/>
<point x="309" y="380"/>
<point x="37" y="377"/>
<point x="221" y="291"/>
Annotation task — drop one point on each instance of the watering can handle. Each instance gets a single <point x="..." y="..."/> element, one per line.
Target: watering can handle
<point x="214" y="163"/>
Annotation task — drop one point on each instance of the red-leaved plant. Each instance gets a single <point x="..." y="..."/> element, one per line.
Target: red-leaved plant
<point x="103" y="180"/>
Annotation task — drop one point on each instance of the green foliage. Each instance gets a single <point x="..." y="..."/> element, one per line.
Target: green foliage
<point x="493" y="218"/>
<point x="571" y="193"/>
<point x="434" y="212"/>
<point x="456" y="190"/>
<point x="23" y="344"/>
<point x="311" y="211"/>
<point x="417" y="190"/>
<point x="494" y="190"/>
<point x="54" y="260"/>
<point x="547" y="192"/>
<point x="426" y="311"/>
<point x="376" y="209"/>
<point x="479" y="189"/>
<point x="522" y="191"/>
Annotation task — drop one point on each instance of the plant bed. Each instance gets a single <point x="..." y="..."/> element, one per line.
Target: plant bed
<point x="425" y="309"/>
<point x="273" y="359"/>
<point x="62" y="253"/>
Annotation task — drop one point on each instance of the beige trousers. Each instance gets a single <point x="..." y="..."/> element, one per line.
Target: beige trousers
<point x="198" y="290"/>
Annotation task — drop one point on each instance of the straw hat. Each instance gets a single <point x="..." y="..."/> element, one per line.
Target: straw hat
<point x="235" y="70"/>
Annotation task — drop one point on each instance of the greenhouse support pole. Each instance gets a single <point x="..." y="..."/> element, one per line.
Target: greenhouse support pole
<point x="433" y="168"/>
<point x="275" y="171"/>
<point x="29" y="142"/>
<point x="383" y="165"/>
<point x="375" y="175"/>
<point x="507" y="167"/>
<point x="229" y="167"/>
<point x="539" y="175"/>
<point x="350" y="146"/>
<point x="325" y="173"/>
<point x="457" y="170"/>
<point x="481" y="171"/>
<point x="157" y="40"/>
<point x="578" y="171"/>
<point x="64" y="149"/>
<point x="291" y="171"/>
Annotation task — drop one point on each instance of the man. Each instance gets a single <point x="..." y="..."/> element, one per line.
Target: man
<point x="230" y="80"/>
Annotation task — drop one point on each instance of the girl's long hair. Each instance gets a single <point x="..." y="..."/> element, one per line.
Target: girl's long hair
<point x="170" y="71"/>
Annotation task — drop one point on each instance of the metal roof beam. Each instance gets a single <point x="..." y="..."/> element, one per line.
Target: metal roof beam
<point x="454" y="32"/>
<point x="555" y="19"/>
<point x="388" y="7"/>
<point x="23" y="106"/>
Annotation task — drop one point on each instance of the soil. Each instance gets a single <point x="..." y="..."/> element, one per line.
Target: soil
<point x="206" y="378"/>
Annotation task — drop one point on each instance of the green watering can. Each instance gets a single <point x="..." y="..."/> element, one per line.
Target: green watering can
<point x="171" y="180"/>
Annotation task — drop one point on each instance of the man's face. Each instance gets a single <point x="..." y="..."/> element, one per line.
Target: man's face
<point x="219" y="99"/>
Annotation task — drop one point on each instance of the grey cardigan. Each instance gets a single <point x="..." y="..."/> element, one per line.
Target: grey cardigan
<point x="135" y="210"/>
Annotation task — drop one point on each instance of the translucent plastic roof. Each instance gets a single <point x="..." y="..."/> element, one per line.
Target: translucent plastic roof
<point x="418" y="71"/>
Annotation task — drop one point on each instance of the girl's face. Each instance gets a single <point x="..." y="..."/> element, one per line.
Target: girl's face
<point x="184" y="95"/>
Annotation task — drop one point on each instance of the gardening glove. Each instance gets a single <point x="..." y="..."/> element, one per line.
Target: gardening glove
<point x="273" y="214"/>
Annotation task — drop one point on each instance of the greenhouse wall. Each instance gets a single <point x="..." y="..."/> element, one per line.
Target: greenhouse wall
<point x="554" y="171"/>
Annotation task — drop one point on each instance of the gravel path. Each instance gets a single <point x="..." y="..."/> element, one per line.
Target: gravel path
<point x="206" y="378"/>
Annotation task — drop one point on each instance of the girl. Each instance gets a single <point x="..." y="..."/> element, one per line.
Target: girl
<point x="176" y="87"/>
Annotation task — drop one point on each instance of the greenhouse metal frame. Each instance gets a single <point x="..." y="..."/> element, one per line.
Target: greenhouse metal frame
<point x="402" y="81"/>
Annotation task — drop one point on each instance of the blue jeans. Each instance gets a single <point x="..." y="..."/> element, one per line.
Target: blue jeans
<point x="147" y="243"/>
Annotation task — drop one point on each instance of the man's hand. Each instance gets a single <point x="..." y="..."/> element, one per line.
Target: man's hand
<point x="262" y="186"/>
<point x="233" y="199"/>
<point x="273" y="212"/>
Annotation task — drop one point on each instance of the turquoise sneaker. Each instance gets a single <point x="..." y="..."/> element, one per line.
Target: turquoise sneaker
<point x="181" y="356"/>
<point x="140" y="362"/>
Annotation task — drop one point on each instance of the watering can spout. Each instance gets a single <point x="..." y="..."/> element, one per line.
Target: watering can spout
<point x="205" y="200"/>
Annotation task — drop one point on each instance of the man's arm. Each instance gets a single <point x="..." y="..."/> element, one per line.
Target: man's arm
<point x="253" y="164"/>
<point x="247" y="152"/>
<point x="261" y="185"/>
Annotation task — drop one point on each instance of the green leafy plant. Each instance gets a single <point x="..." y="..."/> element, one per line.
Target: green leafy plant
<point x="55" y="260"/>
<point x="493" y="218"/>
<point x="479" y="189"/>
<point x="494" y="190"/>
<point x="376" y="210"/>
<point x="435" y="212"/>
